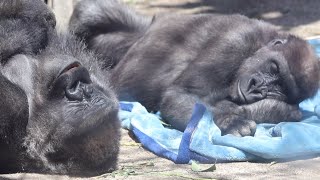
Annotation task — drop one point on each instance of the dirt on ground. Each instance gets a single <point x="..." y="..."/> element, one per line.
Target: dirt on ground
<point x="296" y="16"/>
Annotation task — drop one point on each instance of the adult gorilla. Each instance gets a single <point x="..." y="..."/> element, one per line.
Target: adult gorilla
<point x="245" y="70"/>
<point x="57" y="112"/>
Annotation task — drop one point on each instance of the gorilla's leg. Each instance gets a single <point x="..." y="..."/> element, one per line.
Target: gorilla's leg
<point x="176" y="107"/>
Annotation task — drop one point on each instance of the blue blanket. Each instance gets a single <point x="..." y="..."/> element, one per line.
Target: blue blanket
<point x="202" y="140"/>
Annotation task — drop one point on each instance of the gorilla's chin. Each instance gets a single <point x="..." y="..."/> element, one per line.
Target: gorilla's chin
<point x="82" y="141"/>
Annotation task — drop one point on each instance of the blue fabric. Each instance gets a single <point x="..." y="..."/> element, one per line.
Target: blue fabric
<point x="202" y="140"/>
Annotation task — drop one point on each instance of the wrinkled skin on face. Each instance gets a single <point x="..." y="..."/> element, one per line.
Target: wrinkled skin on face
<point x="244" y="70"/>
<point x="58" y="113"/>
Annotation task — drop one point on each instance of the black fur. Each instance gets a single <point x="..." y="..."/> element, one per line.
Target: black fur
<point x="17" y="18"/>
<point x="244" y="70"/>
<point x="122" y="26"/>
<point x="57" y="111"/>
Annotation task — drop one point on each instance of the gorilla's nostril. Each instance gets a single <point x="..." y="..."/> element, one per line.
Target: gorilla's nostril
<point x="73" y="81"/>
<point x="74" y="73"/>
<point x="78" y="85"/>
<point x="252" y="83"/>
<point x="88" y="90"/>
<point x="75" y="93"/>
<point x="79" y="91"/>
<point x="255" y="83"/>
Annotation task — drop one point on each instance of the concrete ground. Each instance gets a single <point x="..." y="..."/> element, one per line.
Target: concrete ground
<point x="296" y="16"/>
<point x="136" y="163"/>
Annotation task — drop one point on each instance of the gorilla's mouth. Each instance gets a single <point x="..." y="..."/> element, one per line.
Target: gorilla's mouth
<point x="86" y="153"/>
<point x="85" y="135"/>
<point x="90" y="113"/>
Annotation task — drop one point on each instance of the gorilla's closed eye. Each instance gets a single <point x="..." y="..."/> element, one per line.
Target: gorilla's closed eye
<point x="3" y="61"/>
<point x="278" y="42"/>
<point x="5" y="56"/>
<point x="274" y="67"/>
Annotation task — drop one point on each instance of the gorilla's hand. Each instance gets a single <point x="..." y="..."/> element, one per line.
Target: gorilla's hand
<point x="232" y="119"/>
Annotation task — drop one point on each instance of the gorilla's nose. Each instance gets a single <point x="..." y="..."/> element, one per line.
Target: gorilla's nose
<point x="75" y="81"/>
<point x="255" y="90"/>
<point x="251" y="89"/>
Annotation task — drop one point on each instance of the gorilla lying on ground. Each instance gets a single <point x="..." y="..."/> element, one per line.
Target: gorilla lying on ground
<point x="57" y="112"/>
<point x="244" y="70"/>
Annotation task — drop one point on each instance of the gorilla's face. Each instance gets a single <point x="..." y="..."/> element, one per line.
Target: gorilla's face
<point x="69" y="109"/>
<point x="280" y="70"/>
<point x="58" y="113"/>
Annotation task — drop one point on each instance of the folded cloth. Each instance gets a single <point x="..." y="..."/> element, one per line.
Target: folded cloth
<point x="202" y="140"/>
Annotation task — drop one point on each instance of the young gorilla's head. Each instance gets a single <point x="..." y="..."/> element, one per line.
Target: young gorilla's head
<point x="58" y="113"/>
<point x="286" y="69"/>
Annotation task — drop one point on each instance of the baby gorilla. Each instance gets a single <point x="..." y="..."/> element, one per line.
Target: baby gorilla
<point x="244" y="70"/>
<point x="57" y="112"/>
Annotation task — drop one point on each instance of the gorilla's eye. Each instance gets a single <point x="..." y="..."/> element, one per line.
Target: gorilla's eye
<point x="274" y="68"/>
<point x="6" y="57"/>
<point x="278" y="42"/>
<point x="3" y="61"/>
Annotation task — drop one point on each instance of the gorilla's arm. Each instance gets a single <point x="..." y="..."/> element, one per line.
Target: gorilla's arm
<point x="177" y="106"/>
<point x="241" y="120"/>
<point x="13" y="123"/>
<point x="272" y="111"/>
